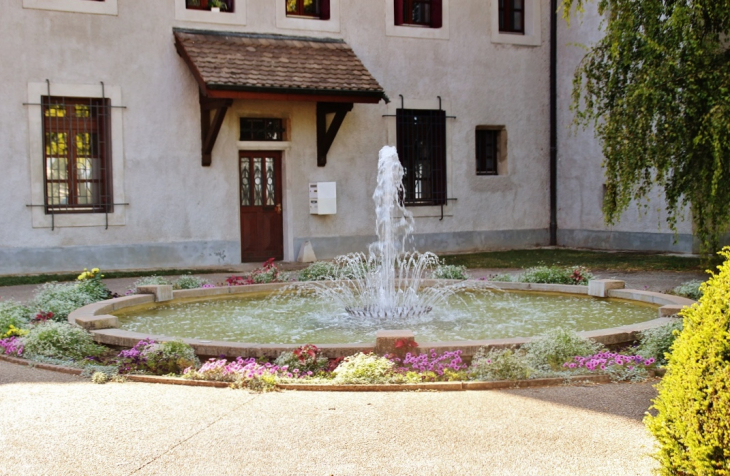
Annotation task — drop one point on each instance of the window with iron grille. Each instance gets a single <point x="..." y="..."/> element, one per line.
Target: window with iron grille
<point x="421" y="144"/>
<point x="261" y="129"/>
<point x="308" y="8"/>
<point x="487" y="151"/>
<point x="419" y="13"/>
<point x="512" y="16"/>
<point x="224" y="5"/>
<point x="77" y="155"/>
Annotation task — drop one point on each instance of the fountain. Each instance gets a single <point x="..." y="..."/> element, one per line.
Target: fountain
<point x="385" y="288"/>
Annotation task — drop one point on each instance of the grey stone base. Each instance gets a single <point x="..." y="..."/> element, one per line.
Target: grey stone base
<point x="455" y="242"/>
<point x="620" y="240"/>
<point x="187" y="254"/>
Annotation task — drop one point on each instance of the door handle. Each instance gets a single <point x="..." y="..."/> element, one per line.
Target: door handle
<point x="277" y="208"/>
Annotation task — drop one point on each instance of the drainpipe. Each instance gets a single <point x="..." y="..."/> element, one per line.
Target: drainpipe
<point x="553" y="123"/>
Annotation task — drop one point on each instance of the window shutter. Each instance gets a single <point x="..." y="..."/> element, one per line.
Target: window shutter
<point x="398" y="12"/>
<point x="324" y="9"/>
<point x="436" y="13"/>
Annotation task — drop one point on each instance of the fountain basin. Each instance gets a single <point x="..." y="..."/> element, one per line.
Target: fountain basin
<point x="98" y="318"/>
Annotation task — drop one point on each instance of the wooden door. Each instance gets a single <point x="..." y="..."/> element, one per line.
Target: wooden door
<point x="262" y="226"/>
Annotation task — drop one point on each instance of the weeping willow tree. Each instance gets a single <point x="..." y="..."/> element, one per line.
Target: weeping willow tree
<point x="656" y="88"/>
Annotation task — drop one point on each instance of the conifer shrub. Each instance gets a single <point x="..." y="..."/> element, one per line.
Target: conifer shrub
<point x="692" y="424"/>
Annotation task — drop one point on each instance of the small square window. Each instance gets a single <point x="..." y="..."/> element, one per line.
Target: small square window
<point x="426" y="13"/>
<point x="487" y="151"/>
<point x="223" y="5"/>
<point x="261" y="129"/>
<point x="319" y="9"/>
<point x="512" y="16"/>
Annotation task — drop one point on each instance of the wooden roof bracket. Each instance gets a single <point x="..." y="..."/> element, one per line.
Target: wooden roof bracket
<point x="209" y="128"/>
<point x="326" y="136"/>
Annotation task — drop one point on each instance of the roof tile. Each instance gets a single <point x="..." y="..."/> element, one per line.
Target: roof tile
<point x="246" y="60"/>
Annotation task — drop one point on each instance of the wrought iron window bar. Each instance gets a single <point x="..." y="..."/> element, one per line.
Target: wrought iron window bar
<point x="443" y="201"/>
<point x="104" y="203"/>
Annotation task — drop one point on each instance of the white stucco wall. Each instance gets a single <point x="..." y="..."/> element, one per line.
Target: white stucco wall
<point x="580" y="175"/>
<point x="183" y="214"/>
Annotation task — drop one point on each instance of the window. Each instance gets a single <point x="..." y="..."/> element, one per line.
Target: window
<point x="419" y="13"/>
<point x="97" y="7"/>
<point x="421" y="144"/>
<point x="516" y="22"/>
<point x="512" y="16"/>
<point x="224" y="5"/>
<point x="76" y="155"/>
<point x="308" y="8"/>
<point x="255" y="129"/>
<point x="487" y="151"/>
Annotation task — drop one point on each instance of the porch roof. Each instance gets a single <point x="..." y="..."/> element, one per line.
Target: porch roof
<point x="231" y="65"/>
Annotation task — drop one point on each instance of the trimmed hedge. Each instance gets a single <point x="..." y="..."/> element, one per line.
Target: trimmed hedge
<point x="692" y="423"/>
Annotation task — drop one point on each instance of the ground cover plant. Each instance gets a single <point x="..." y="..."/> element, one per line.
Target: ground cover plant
<point x="450" y="271"/>
<point x="691" y="422"/>
<point x="612" y="261"/>
<point x="577" y="275"/>
<point x="690" y="289"/>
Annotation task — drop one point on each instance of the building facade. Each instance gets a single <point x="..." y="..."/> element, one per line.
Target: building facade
<point x="162" y="133"/>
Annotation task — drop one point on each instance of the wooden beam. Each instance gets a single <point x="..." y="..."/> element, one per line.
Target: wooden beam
<point x="325" y="136"/>
<point x="209" y="129"/>
<point x="276" y="96"/>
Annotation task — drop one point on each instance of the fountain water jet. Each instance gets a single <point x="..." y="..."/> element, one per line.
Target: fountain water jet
<point x="386" y="282"/>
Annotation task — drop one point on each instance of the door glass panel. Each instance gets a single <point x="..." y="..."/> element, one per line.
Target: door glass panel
<point x="270" y="182"/>
<point x="258" y="190"/>
<point x="245" y="182"/>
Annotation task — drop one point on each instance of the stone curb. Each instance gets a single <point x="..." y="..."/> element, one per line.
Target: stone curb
<point x="436" y="386"/>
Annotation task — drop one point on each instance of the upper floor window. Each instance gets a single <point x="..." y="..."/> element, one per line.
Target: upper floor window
<point x="76" y="155"/>
<point x="512" y="16"/>
<point x="426" y="13"/>
<point x="421" y="144"/>
<point x="223" y="5"/>
<point x="308" y="8"/>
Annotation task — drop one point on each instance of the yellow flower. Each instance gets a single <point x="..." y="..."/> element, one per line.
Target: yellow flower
<point x="95" y="270"/>
<point x="81" y="277"/>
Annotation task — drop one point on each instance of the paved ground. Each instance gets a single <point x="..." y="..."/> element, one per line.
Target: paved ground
<point x="57" y="424"/>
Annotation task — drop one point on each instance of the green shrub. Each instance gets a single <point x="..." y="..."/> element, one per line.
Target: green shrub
<point x="692" y="424"/>
<point x="319" y="271"/>
<point x="188" y="281"/>
<point x="689" y="289"/>
<point x="171" y="357"/>
<point x="450" y="271"/>
<point x="558" y="346"/>
<point x="61" y="299"/>
<point x="60" y="340"/>
<point x="149" y="281"/>
<point x="655" y="343"/>
<point x="12" y="313"/>
<point x="365" y="368"/>
<point x="500" y="364"/>
<point x="556" y="275"/>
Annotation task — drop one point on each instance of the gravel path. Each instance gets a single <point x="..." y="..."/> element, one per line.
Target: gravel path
<point x="58" y="424"/>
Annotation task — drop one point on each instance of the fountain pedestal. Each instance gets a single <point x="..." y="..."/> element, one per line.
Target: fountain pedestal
<point x="395" y="342"/>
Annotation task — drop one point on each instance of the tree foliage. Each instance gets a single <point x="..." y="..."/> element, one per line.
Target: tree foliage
<point x="656" y="88"/>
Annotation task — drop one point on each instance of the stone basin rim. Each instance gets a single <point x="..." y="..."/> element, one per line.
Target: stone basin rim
<point x="97" y="319"/>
